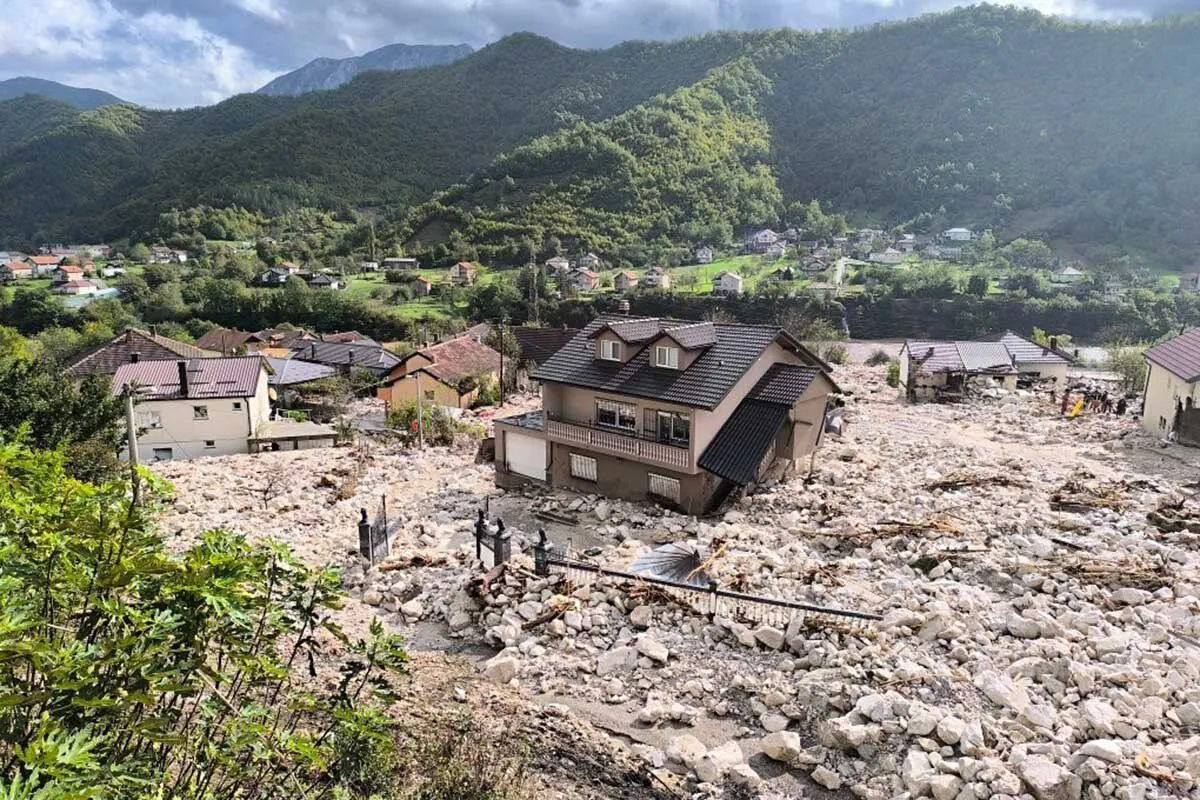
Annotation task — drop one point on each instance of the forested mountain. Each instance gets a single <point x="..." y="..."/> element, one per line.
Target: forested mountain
<point x="981" y="116"/>
<point x="323" y="74"/>
<point x="80" y="98"/>
<point x="24" y="118"/>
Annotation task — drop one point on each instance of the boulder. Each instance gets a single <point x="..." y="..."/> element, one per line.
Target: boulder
<point x="713" y="765"/>
<point x="945" y="787"/>
<point x="950" y="730"/>
<point x="1022" y="628"/>
<point x="413" y="609"/>
<point x="769" y="637"/>
<point x="1047" y="780"/>
<point x="1109" y="750"/>
<point x="917" y="773"/>
<point x="612" y="660"/>
<point x="1101" y="716"/>
<point x="372" y="597"/>
<point x="782" y="746"/>
<point x="501" y="669"/>
<point x="652" y="649"/>
<point x="686" y="750"/>
<point x="641" y="617"/>
<point x="743" y="775"/>
<point x="827" y="778"/>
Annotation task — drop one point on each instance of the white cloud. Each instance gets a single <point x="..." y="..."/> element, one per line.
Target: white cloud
<point x="153" y="58"/>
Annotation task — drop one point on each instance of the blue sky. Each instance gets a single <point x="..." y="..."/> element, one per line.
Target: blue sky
<point x="172" y="53"/>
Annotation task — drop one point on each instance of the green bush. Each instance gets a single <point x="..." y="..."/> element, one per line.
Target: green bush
<point x="893" y="374"/>
<point x="835" y="353"/>
<point x="878" y="359"/>
<point x="1130" y="365"/>
<point x="437" y="427"/>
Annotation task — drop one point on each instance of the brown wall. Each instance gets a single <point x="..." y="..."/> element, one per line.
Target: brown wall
<point x="628" y="480"/>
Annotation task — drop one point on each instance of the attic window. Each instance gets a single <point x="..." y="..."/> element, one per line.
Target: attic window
<point x="666" y="357"/>
<point x="610" y="350"/>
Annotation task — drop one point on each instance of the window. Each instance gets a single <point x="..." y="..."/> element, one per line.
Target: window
<point x="209" y="444"/>
<point x="161" y="454"/>
<point x="616" y="415"/>
<point x="583" y="467"/>
<point x="666" y="357"/>
<point x="149" y="420"/>
<point x="237" y="406"/>
<point x="610" y="350"/>
<point x="674" y="428"/>
<point x="429" y="395"/>
<point x="664" y="487"/>
<point x="199" y="412"/>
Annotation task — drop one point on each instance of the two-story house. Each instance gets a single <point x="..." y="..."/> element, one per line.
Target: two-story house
<point x="761" y="241"/>
<point x="581" y="280"/>
<point x="657" y="277"/>
<point x="677" y="411"/>
<point x="463" y="273"/>
<point x="197" y="407"/>
<point x="625" y="281"/>
<point x="704" y="255"/>
<point x="728" y="283"/>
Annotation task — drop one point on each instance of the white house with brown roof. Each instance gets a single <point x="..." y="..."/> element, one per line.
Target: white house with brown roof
<point x="1172" y="382"/>
<point x="197" y="407"/>
<point x="657" y="278"/>
<point x="449" y="374"/>
<point x="15" y="270"/>
<point x="558" y="265"/>
<point x="728" y="283"/>
<point x="625" y="281"/>
<point x="582" y="280"/>
<point x="463" y="273"/>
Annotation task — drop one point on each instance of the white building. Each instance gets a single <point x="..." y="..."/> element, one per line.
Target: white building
<point x="704" y="255"/>
<point x="728" y="283"/>
<point x="888" y="256"/>
<point x="957" y="234"/>
<point x="198" y="407"/>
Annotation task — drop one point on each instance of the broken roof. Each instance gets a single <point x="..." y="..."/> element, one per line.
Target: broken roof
<point x="108" y="358"/>
<point x="703" y="384"/>
<point x="1179" y="356"/>
<point x="1024" y="351"/>
<point x="207" y="378"/>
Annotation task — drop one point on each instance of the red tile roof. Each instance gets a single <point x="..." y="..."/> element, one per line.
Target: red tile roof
<point x="206" y="378"/>
<point x="460" y="358"/>
<point x="71" y="269"/>
<point x="45" y="261"/>
<point x="17" y="266"/>
<point x="1180" y="356"/>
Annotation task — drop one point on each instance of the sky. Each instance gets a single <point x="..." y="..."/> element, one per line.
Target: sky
<point x="177" y="53"/>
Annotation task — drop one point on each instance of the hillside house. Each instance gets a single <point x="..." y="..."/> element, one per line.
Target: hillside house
<point x="421" y="286"/>
<point x="165" y="255"/>
<point x="589" y="261"/>
<point x="582" y="280"/>
<point x="625" y="281"/>
<point x="79" y="287"/>
<point x="323" y="280"/>
<point x="197" y="407"/>
<point x="463" y="273"/>
<point x="761" y="241"/>
<point x="675" y="411"/>
<point x="449" y="374"/>
<point x="275" y="276"/>
<point x="15" y="271"/>
<point x="936" y="370"/>
<point x="43" y="265"/>
<point x="958" y="235"/>
<point x="727" y="283"/>
<point x="776" y="251"/>
<point x="704" y="255"/>
<point x="1189" y="283"/>
<point x="398" y="264"/>
<point x="657" y="278"/>
<point x="907" y="243"/>
<point x="889" y="256"/>
<point x="368" y="266"/>
<point x="1173" y="387"/>
<point x="65" y="273"/>
<point x="130" y="347"/>
<point x="1067" y="274"/>
<point x="558" y="265"/>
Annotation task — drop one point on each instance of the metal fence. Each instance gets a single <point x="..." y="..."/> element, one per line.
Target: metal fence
<point x="373" y="542"/>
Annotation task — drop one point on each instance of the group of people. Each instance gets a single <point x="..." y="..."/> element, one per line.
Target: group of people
<point x="1091" y="399"/>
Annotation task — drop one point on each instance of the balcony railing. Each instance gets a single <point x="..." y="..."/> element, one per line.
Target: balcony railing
<point x="618" y="443"/>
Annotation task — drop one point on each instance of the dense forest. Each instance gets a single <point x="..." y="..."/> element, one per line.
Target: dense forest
<point x="1082" y="134"/>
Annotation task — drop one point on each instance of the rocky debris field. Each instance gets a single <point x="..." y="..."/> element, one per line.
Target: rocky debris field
<point x="1037" y="579"/>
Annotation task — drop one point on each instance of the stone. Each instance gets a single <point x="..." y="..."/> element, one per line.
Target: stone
<point x="875" y="707"/>
<point x="1189" y="714"/>
<point x="1101" y="716"/>
<point x="945" y="787"/>
<point x="573" y="620"/>
<point x="603" y="511"/>
<point x="1117" y="643"/>
<point x="1022" y="628"/>
<point x="641" y="617"/>
<point x="372" y="597"/>
<point x="413" y="609"/>
<point x="1047" y="780"/>
<point x="686" y="750"/>
<point x="713" y="765"/>
<point x="782" y="746"/>
<point x="827" y="778"/>
<point x="769" y="637"/>
<point x="951" y="729"/>
<point x="1128" y="596"/>
<point x="774" y="722"/>
<point x="612" y="660"/>
<point x="501" y="669"/>
<point x="652" y="649"/>
<point x="459" y="620"/>
<point x="1108" y="750"/>
<point x="743" y="775"/>
<point x="922" y="722"/>
<point x="1002" y="691"/>
<point x="844" y="733"/>
<point x="917" y="773"/>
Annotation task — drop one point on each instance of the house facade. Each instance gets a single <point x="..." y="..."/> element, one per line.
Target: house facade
<point x="396" y="263"/>
<point x="463" y="273"/>
<point x="761" y="241"/>
<point x="889" y="256"/>
<point x="43" y="265"/>
<point x="275" y="276"/>
<point x="937" y="370"/>
<point x="670" y="410"/>
<point x="728" y="283"/>
<point x="558" y="265"/>
<point x="421" y="286"/>
<point x="1032" y="360"/>
<point x="130" y="347"/>
<point x="625" y="281"/>
<point x="582" y="280"/>
<point x="588" y="261"/>
<point x="1172" y="383"/>
<point x="704" y="255"/>
<point x="449" y="374"/>
<point x="197" y="407"/>
<point x="1068" y="275"/>
<point x="657" y="278"/>
<point x="958" y="235"/>
<point x="15" y="270"/>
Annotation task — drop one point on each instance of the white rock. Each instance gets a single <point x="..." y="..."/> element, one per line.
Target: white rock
<point x="1002" y="691"/>
<point x="945" y="787"/>
<point x="641" y="617"/>
<point x="413" y="609"/>
<point x="827" y="778"/>
<point x="1189" y="714"/>
<point x="774" y="722"/>
<point x="1101" y="716"/>
<point x="372" y="597"/>
<point x="922" y="721"/>
<point x="743" y="775"/>
<point x="612" y="660"/>
<point x="686" y="750"/>
<point x="1023" y="628"/>
<point x="652" y="649"/>
<point x="951" y="729"/>
<point x="1047" y="780"/>
<point x="769" y="637"/>
<point x="501" y="669"/>
<point x="1128" y="596"/>
<point x="917" y="773"/>
<point x="716" y="762"/>
<point x="782" y="746"/>
<point x="1108" y="750"/>
<point x="875" y="707"/>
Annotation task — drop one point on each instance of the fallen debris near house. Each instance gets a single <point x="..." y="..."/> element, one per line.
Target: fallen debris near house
<point x="1137" y="573"/>
<point x="1080" y="498"/>
<point x="964" y="480"/>
<point x="1175" y="516"/>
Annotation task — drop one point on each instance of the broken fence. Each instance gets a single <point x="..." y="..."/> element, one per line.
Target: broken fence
<point x="710" y="600"/>
<point x="373" y="542"/>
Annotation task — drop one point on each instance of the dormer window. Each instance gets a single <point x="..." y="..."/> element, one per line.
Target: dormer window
<point x="666" y="357"/>
<point x="610" y="350"/>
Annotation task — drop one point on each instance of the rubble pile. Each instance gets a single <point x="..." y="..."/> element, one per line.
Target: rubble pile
<point x="1037" y="579"/>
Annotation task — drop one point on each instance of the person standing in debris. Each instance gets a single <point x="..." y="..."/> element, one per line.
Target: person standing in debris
<point x="1122" y="406"/>
<point x="1066" y="402"/>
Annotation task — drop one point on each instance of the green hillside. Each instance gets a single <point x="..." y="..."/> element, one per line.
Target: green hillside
<point x="986" y="117"/>
<point x="24" y="118"/>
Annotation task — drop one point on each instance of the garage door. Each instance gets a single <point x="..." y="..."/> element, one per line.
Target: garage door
<point x="525" y="455"/>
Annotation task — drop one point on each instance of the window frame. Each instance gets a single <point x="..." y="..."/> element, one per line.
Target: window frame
<point x="210" y="444"/>
<point x="619" y="411"/>
<point x="673" y="419"/>
<point x="584" y="468"/>
<point x="237" y="405"/>
<point x="672" y="354"/>
<point x="429" y="395"/>
<point x="154" y="454"/>
<point x="200" y="413"/>
<point x="610" y="344"/>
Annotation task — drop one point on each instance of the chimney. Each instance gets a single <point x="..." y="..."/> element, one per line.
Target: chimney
<point x="1053" y="342"/>
<point x="134" y="357"/>
<point x="183" y="378"/>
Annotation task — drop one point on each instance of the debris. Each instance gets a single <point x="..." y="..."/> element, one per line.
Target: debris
<point x="963" y="481"/>
<point x="1080" y="498"/>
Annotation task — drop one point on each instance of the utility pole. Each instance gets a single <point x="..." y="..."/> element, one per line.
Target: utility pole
<point x="533" y="291"/>
<point x="420" y="414"/>
<point x="501" y="335"/>
<point x="131" y="436"/>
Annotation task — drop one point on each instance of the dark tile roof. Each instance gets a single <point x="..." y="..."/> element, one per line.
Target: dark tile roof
<point x="1180" y="356"/>
<point x="367" y="356"/>
<point x="538" y="344"/>
<point x="783" y="384"/>
<point x="693" y="336"/>
<point x="108" y="358"/>
<point x="207" y="378"/>
<point x="291" y="371"/>
<point x="972" y="357"/>
<point x="1024" y="351"/>
<point x="631" y="330"/>
<point x="347" y="336"/>
<point x="703" y="384"/>
<point x="738" y="449"/>
<point x="225" y="340"/>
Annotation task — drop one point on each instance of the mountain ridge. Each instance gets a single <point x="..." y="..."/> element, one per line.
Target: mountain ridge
<point x="324" y="74"/>
<point x="81" y="98"/>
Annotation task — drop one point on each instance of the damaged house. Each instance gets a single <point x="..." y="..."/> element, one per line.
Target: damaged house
<point x="676" y="411"/>
<point x="932" y="370"/>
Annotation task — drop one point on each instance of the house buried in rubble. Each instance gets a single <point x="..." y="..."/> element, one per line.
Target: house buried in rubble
<point x="676" y="411"/>
<point x="931" y="370"/>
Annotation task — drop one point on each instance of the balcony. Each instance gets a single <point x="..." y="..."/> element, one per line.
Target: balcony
<point x="618" y="443"/>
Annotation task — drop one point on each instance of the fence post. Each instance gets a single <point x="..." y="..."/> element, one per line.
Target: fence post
<point x="541" y="555"/>
<point x="501" y="544"/>
<point x="364" y="538"/>
<point x="480" y="532"/>
<point x="712" y="608"/>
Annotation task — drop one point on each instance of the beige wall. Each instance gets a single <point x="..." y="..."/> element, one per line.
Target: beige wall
<point x="686" y="357"/>
<point x="1056" y="371"/>
<point x="226" y="427"/>
<point x="627" y="350"/>
<point x="404" y="391"/>
<point x="1163" y="390"/>
<point x="708" y="423"/>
